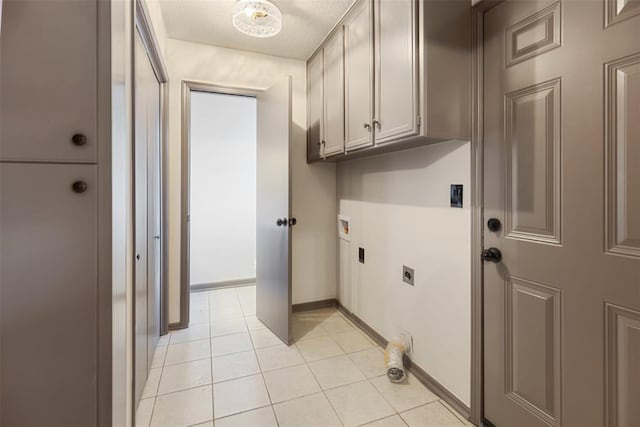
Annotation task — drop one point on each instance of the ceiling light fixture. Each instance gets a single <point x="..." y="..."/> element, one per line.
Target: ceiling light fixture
<point x="257" y="18"/>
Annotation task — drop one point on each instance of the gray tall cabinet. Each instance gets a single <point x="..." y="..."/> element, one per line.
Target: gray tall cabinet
<point x="49" y="213"/>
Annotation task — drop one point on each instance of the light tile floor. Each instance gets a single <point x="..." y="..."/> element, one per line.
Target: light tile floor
<point x="228" y="369"/>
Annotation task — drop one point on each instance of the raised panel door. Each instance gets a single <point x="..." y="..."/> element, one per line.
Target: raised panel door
<point x="315" y="100"/>
<point x="358" y="33"/>
<point x="396" y="78"/>
<point x="334" y="95"/>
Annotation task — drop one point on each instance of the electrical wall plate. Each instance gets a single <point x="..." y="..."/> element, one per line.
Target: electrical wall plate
<point x="407" y="275"/>
<point x="361" y="255"/>
<point x="456" y="195"/>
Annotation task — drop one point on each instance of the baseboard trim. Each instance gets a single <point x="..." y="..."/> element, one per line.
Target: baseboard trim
<point x="224" y="284"/>
<point x="175" y="326"/>
<point x="314" y="305"/>
<point x="426" y="379"/>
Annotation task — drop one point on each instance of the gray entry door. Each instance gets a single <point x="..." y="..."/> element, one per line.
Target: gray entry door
<point x="273" y="208"/>
<point x="562" y="174"/>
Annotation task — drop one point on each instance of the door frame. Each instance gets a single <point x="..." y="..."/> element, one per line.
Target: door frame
<point x="189" y="86"/>
<point x="477" y="211"/>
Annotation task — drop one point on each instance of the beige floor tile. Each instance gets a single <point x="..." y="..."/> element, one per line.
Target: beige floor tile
<point x="458" y="415"/>
<point x="151" y="386"/>
<point x="290" y="383"/>
<point x="184" y="408"/>
<point x="207" y="424"/>
<point x="262" y="417"/>
<point x="228" y="344"/>
<point x="188" y="352"/>
<point x="393" y="421"/>
<point x="352" y="341"/>
<point x="405" y="395"/>
<point x="199" y="300"/>
<point x="158" y="357"/>
<point x="253" y="323"/>
<point x="163" y="340"/>
<point x="358" y="404"/>
<point x="186" y="375"/>
<point x="370" y="362"/>
<point x="234" y="325"/>
<point x="235" y="365"/>
<point x="307" y="328"/>
<point x="335" y="372"/>
<point x="431" y="415"/>
<point x="144" y="411"/>
<point x="198" y="315"/>
<point x="239" y="395"/>
<point x="309" y="411"/>
<point x="248" y="309"/>
<point x="225" y="311"/>
<point x="278" y="356"/>
<point x="319" y="348"/>
<point x="246" y="293"/>
<point x="224" y="294"/>
<point x="336" y="324"/>
<point x="192" y="333"/>
<point x="264" y="338"/>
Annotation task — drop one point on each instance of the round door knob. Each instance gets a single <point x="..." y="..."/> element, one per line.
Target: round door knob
<point x="281" y="221"/>
<point x="491" y="255"/>
<point x="494" y="224"/>
<point x="79" y="187"/>
<point x="79" y="139"/>
<point x="292" y="222"/>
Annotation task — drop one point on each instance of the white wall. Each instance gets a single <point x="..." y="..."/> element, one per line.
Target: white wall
<point x="223" y="188"/>
<point x="313" y="191"/>
<point x="400" y="213"/>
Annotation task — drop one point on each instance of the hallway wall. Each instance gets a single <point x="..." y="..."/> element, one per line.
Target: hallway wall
<point x="400" y="213"/>
<point x="313" y="191"/>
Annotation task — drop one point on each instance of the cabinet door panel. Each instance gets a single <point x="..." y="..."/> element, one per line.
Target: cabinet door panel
<point x="359" y="76"/>
<point x="334" y="94"/>
<point x="48" y="80"/>
<point x="315" y="99"/>
<point x="396" y="93"/>
<point x="48" y="282"/>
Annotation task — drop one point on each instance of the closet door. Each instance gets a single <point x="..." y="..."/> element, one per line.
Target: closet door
<point x="334" y="94"/>
<point x="396" y="94"/>
<point x="48" y="80"/>
<point x="314" y="114"/>
<point x="141" y="333"/>
<point x="359" y="76"/>
<point x="48" y="308"/>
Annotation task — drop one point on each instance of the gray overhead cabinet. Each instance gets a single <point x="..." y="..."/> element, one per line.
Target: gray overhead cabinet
<point x="405" y="75"/>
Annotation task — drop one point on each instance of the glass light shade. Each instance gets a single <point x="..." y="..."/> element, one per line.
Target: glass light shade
<point x="257" y="18"/>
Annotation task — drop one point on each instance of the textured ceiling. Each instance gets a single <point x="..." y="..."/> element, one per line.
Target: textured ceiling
<point x="304" y="24"/>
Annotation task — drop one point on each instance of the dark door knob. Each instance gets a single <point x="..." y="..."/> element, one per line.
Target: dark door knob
<point x="282" y="222"/>
<point x="494" y="224"/>
<point x="292" y="222"/>
<point x="491" y="255"/>
<point x="79" y="139"/>
<point x="79" y="186"/>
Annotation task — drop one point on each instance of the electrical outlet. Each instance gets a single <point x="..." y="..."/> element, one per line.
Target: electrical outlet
<point x="407" y="275"/>
<point x="361" y="255"/>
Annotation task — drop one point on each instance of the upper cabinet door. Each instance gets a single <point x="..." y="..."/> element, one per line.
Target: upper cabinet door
<point x="397" y="93"/>
<point x="48" y="81"/>
<point x="314" y="106"/>
<point x="358" y="33"/>
<point x="334" y="94"/>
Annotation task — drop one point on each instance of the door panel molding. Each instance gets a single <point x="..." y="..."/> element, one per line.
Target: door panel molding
<point x="616" y="11"/>
<point x="522" y="220"/>
<point x="622" y="130"/>
<point x="533" y="348"/>
<point x="534" y="35"/>
<point x="622" y="336"/>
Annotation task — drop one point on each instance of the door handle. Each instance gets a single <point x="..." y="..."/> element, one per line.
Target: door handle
<point x="292" y="222"/>
<point x="282" y="222"/>
<point x="491" y="255"/>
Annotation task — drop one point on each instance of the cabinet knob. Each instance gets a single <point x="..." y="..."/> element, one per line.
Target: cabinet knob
<point x="79" y="187"/>
<point x="79" y="139"/>
<point x="376" y="123"/>
<point x="367" y="126"/>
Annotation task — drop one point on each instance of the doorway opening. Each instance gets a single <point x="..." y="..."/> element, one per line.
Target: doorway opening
<point x="222" y="191"/>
